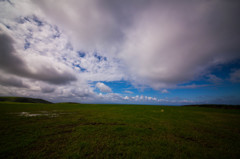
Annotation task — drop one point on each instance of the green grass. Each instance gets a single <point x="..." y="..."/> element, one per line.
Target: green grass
<point x="118" y="131"/>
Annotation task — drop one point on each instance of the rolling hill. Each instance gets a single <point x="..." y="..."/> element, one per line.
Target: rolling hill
<point x="23" y="100"/>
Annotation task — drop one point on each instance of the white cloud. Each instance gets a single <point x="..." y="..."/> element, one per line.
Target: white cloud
<point x="164" y="91"/>
<point x="129" y="92"/>
<point x="164" y="48"/>
<point x="126" y="97"/>
<point x="103" y="88"/>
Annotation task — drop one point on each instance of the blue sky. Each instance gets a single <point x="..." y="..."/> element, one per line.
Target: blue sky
<point x="129" y="52"/>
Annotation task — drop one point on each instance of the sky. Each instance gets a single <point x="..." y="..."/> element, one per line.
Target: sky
<point x="158" y="52"/>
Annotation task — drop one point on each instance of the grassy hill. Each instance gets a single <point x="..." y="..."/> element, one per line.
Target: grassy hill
<point x="117" y="131"/>
<point x="23" y="100"/>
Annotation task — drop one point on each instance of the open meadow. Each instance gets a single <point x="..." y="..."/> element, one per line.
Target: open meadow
<point x="117" y="131"/>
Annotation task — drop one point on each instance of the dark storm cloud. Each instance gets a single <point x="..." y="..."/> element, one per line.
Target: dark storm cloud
<point x="47" y="89"/>
<point x="51" y="75"/>
<point x="10" y="62"/>
<point x="11" y="81"/>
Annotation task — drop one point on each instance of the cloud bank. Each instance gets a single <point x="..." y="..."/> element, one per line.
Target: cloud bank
<point x="63" y="47"/>
<point x="162" y="43"/>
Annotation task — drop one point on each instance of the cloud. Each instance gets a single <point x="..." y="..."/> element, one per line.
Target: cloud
<point x="49" y="59"/>
<point x="164" y="91"/>
<point x="153" y="100"/>
<point x="103" y="88"/>
<point x="126" y="98"/>
<point x="129" y="92"/>
<point x="47" y="89"/>
<point x="235" y="76"/>
<point x="192" y="86"/>
<point x="13" y="82"/>
<point x="109" y="98"/>
<point x="169" y="45"/>
<point x="214" y="79"/>
<point x="160" y="43"/>
<point x="11" y="62"/>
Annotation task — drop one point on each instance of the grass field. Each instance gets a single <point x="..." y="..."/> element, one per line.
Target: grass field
<point x="117" y="131"/>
